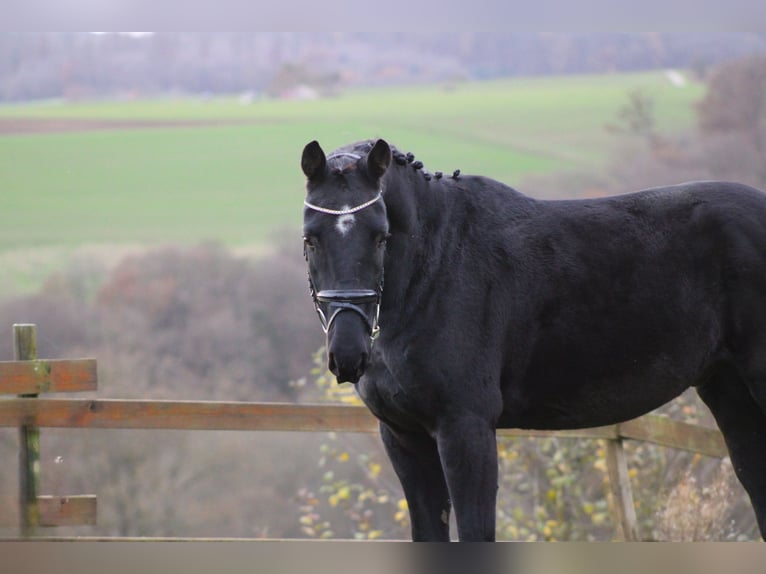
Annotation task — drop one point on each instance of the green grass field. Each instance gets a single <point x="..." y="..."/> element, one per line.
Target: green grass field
<point x="236" y="183"/>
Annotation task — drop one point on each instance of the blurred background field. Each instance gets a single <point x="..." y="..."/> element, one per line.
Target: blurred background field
<point x="234" y="182"/>
<point x="150" y="209"/>
<point x="187" y="170"/>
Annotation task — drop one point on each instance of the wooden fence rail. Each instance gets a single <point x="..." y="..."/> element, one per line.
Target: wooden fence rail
<point x="27" y="378"/>
<point x="244" y="416"/>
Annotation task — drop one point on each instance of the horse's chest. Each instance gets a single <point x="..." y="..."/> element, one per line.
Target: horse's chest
<point x="401" y="400"/>
<point x="389" y="403"/>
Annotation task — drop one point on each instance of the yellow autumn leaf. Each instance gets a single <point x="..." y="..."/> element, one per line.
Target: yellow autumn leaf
<point x="552" y="495"/>
<point x="365" y="495"/>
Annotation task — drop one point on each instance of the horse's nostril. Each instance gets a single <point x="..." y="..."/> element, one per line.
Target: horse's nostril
<point x="347" y="369"/>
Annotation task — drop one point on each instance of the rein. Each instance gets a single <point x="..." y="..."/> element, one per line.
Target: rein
<point x="339" y="300"/>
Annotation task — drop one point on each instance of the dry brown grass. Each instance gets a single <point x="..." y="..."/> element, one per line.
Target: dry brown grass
<point x="696" y="512"/>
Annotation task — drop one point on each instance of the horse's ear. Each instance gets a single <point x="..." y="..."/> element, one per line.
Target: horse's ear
<point x="313" y="161"/>
<point x="378" y="159"/>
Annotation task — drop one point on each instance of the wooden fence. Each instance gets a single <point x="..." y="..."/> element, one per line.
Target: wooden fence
<point x="27" y="377"/>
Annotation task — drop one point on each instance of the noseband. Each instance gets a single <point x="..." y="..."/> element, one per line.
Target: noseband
<point x="339" y="300"/>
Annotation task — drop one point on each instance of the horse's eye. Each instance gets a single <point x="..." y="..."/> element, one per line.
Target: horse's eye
<point x="309" y="242"/>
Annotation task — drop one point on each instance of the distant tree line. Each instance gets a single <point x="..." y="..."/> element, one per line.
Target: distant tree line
<point x="729" y="142"/>
<point x="69" y="65"/>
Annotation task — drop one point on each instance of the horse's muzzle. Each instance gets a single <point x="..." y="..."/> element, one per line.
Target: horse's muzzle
<point x="348" y="371"/>
<point x="348" y="347"/>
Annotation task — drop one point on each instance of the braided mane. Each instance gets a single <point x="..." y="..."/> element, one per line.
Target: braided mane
<point x="341" y="156"/>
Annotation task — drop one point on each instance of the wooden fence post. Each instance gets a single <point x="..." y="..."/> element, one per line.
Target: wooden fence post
<point x="622" y="493"/>
<point x="25" y="349"/>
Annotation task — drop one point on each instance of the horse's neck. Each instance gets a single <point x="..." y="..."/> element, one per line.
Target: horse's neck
<point x="412" y="205"/>
<point x="401" y="204"/>
<point x="411" y="201"/>
<point x="427" y="219"/>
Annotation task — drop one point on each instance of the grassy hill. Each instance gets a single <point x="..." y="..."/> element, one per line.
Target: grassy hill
<point x="170" y="171"/>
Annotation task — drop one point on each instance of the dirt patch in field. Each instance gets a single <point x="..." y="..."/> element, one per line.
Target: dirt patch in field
<point x="16" y="126"/>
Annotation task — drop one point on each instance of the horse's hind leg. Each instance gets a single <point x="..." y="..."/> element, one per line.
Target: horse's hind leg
<point x="415" y="459"/>
<point x="743" y="424"/>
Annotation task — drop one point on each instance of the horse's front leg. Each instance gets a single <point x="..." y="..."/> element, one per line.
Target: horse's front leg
<point x="415" y="459"/>
<point x="468" y="451"/>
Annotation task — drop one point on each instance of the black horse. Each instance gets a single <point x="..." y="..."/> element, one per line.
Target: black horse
<point x="458" y="305"/>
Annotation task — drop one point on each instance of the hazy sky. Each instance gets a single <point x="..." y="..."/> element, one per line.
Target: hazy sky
<point x="390" y="15"/>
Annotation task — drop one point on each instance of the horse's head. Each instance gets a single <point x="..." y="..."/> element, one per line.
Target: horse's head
<point x="344" y="232"/>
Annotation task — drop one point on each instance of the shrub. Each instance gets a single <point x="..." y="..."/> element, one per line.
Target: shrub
<point x="550" y="488"/>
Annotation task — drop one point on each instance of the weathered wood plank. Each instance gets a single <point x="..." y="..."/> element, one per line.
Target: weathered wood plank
<point x="25" y="349"/>
<point x="608" y="432"/>
<point x="68" y="510"/>
<point x="47" y="376"/>
<point x="54" y="511"/>
<point x="185" y="415"/>
<point x="622" y="493"/>
<point x="211" y="415"/>
<point x="675" y="434"/>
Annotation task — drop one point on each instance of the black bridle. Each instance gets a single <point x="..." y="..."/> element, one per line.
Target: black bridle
<point x="339" y="300"/>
